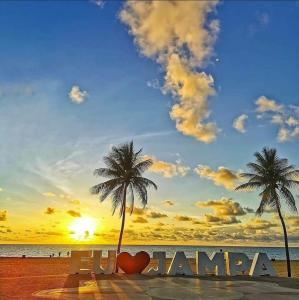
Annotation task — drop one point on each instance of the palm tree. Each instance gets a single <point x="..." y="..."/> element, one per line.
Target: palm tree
<point x="124" y="168"/>
<point x="274" y="177"/>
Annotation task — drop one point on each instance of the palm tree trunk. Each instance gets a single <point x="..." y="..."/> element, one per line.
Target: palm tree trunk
<point x="286" y="244"/>
<point x="123" y="220"/>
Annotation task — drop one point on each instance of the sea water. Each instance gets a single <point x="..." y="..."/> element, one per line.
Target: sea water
<point x="15" y="250"/>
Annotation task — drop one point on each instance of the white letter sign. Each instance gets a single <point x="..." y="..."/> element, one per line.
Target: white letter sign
<point x="111" y="262"/>
<point x="161" y="269"/>
<point x="180" y="265"/>
<point x="236" y="263"/>
<point x="216" y="261"/>
<point x="261" y="266"/>
<point x="79" y="262"/>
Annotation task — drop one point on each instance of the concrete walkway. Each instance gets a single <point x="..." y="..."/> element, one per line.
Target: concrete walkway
<point x="168" y="288"/>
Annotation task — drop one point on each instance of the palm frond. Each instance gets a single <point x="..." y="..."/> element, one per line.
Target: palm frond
<point x="132" y="198"/>
<point x="257" y="169"/>
<point x="143" y="165"/>
<point x="292" y="174"/>
<point x="261" y="208"/>
<point x="260" y="158"/>
<point x="146" y="182"/>
<point x="105" y="188"/>
<point x="265" y="200"/>
<point x="287" y="169"/>
<point x="248" y="186"/>
<point x="289" y="198"/>
<point x="113" y="164"/>
<point x="141" y="191"/>
<point x="247" y="175"/>
<point x="269" y="154"/>
<point x="106" y="172"/>
<point x="117" y="197"/>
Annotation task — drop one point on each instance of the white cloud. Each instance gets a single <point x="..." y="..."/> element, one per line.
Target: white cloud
<point x="239" y="123"/>
<point x="49" y="194"/>
<point x="265" y="104"/>
<point x="285" y="134"/>
<point x="277" y="119"/>
<point x="155" y="84"/>
<point x="291" y="121"/>
<point x="77" y="95"/>
<point x="99" y="3"/>
<point x="180" y="37"/>
<point x="261" y="21"/>
<point x="264" y="19"/>
<point x="285" y="117"/>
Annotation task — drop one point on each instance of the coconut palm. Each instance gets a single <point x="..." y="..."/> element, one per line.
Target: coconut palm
<point x="274" y="177"/>
<point x="124" y="168"/>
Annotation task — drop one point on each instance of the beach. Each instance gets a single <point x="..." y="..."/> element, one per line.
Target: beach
<point x="21" y="277"/>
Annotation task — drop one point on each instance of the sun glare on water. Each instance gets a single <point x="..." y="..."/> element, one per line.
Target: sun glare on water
<point x="82" y="229"/>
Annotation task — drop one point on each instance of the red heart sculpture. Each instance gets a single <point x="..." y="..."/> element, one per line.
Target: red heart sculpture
<point x="133" y="264"/>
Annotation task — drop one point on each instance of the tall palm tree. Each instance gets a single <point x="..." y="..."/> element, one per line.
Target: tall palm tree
<point x="274" y="177"/>
<point x="124" y="168"/>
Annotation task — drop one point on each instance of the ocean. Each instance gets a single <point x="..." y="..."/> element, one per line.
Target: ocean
<point x="277" y="253"/>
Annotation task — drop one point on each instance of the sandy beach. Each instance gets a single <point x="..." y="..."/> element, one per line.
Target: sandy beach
<point x="19" y="278"/>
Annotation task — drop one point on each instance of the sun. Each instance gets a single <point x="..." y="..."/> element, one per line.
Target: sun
<point x="83" y="228"/>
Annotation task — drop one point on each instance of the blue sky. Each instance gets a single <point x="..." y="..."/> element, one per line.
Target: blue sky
<point x="51" y="144"/>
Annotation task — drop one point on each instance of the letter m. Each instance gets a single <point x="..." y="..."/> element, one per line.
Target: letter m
<point x="214" y="263"/>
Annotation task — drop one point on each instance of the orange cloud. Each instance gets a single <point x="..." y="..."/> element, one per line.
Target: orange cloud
<point x="3" y="215"/>
<point x="140" y="220"/>
<point x="136" y="211"/>
<point x="221" y="220"/>
<point x="156" y="215"/>
<point x="50" y="211"/>
<point x="49" y="194"/>
<point x="168" y="202"/>
<point x="167" y="169"/>
<point x="74" y="213"/>
<point x="223" y="207"/>
<point x="222" y="177"/>
<point x="183" y="218"/>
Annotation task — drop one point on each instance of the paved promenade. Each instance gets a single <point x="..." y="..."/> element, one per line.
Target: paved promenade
<point x="167" y="288"/>
<point x="44" y="278"/>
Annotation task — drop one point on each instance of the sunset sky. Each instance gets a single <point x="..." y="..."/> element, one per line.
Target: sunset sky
<point x="200" y="86"/>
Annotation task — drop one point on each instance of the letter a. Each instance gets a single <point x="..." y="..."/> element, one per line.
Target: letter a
<point x="261" y="266"/>
<point x="180" y="265"/>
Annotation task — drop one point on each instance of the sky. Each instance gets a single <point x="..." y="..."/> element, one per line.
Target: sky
<point x="199" y="86"/>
